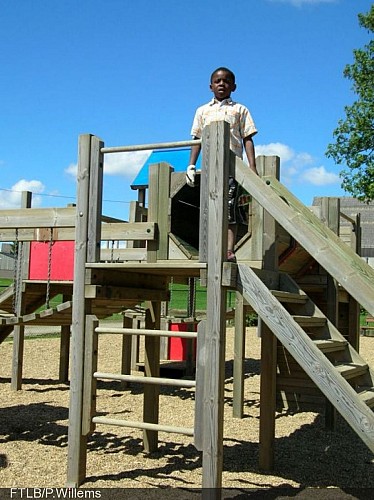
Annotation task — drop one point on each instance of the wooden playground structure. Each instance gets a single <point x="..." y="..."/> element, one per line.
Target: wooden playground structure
<point x="293" y="269"/>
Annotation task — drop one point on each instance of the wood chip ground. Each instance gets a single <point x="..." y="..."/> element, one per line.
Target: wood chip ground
<point x="34" y="426"/>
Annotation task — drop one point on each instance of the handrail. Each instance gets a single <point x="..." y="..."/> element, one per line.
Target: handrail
<point x="145" y="147"/>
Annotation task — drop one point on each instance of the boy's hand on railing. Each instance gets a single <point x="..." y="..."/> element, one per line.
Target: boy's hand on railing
<point x="190" y="175"/>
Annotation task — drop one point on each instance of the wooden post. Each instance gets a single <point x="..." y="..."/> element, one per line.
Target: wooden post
<point x="330" y="215"/>
<point x="126" y="350"/>
<point x="22" y="271"/>
<point x="87" y="249"/>
<point x="269" y="166"/>
<point x="151" y="369"/>
<point x="158" y="209"/>
<point x="216" y="167"/>
<point x="64" y="350"/>
<point x="354" y="306"/>
<point x="239" y="357"/>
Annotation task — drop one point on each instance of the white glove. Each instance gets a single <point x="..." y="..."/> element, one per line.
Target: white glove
<point x="190" y="175"/>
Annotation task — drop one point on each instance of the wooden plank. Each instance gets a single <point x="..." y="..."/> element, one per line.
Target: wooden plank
<point x="128" y="231"/>
<point x="89" y="382"/>
<point x="326" y="247"/>
<point x="204" y="190"/>
<point x="37" y="218"/>
<point x="199" y="390"/>
<point x="239" y="357"/>
<point x="77" y="443"/>
<point x="19" y="306"/>
<point x="153" y="207"/>
<point x="125" y="293"/>
<point x="215" y="338"/>
<point x="123" y="254"/>
<point x="163" y="268"/>
<point x="302" y="348"/>
<point x="142" y="231"/>
<point x="63" y="374"/>
<point x="151" y="369"/>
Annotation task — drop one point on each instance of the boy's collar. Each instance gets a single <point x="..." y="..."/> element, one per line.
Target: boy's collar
<point x="225" y="101"/>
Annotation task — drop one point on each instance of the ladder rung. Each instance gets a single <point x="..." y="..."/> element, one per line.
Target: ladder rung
<point x="310" y="320"/>
<point x="144" y="425"/>
<point x="148" y="333"/>
<point x="350" y="370"/>
<point x="367" y="396"/>
<point x="330" y="345"/>
<point x="289" y="297"/>
<point x="145" y="380"/>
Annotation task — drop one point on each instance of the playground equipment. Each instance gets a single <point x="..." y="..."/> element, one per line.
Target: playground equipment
<point x="301" y="279"/>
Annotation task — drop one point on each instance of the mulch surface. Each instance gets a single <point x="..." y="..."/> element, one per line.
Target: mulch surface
<point x="310" y="461"/>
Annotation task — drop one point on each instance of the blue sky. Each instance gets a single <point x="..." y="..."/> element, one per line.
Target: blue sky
<point x="134" y="73"/>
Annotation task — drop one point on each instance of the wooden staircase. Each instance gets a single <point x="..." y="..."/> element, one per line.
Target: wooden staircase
<point x="322" y="352"/>
<point x="322" y="244"/>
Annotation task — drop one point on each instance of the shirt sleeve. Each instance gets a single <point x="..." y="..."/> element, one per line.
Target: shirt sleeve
<point x="247" y="125"/>
<point x="197" y="125"/>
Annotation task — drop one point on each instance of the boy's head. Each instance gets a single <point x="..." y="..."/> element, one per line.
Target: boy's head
<point x="222" y="83"/>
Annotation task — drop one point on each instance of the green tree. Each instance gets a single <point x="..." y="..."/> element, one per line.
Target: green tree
<point x="354" y="138"/>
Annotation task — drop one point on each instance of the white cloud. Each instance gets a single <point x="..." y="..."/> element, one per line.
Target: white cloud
<point x="12" y="198"/>
<point x="298" y="167"/>
<point x="318" y="176"/>
<point x="124" y="164"/>
<point x="275" y="149"/>
<point x="72" y="169"/>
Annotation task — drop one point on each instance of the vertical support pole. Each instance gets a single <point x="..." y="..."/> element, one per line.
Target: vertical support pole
<point x="239" y="357"/>
<point x="330" y="215"/>
<point x="87" y="249"/>
<point x="216" y="165"/>
<point x="151" y="369"/>
<point x="126" y="350"/>
<point x="354" y="306"/>
<point x="77" y="444"/>
<point x="63" y="375"/>
<point x="159" y="209"/>
<point x="89" y="382"/>
<point x="269" y="166"/>
<point x="19" y="330"/>
<point x="199" y="389"/>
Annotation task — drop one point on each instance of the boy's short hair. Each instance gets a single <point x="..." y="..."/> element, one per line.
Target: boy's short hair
<point x="222" y="68"/>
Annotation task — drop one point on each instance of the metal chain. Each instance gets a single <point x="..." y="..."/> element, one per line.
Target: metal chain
<point x="48" y="291"/>
<point x="15" y="276"/>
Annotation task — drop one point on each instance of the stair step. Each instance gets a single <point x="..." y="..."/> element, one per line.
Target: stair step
<point x="310" y="320"/>
<point x="330" y="345"/>
<point x="366" y="395"/>
<point x="351" y="370"/>
<point x="289" y="297"/>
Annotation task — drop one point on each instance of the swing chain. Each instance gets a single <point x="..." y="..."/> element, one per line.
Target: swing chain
<point x="16" y="275"/>
<point x="112" y="252"/>
<point x="48" y="291"/>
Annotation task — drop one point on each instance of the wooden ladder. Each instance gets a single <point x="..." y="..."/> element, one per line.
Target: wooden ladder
<point x="318" y="347"/>
<point x="151" y="380"/>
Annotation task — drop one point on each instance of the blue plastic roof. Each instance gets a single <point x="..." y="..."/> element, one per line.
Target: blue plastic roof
<point x="177" y="158"/>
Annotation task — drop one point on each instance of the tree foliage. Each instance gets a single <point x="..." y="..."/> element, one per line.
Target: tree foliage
<point x="354" y="138"/>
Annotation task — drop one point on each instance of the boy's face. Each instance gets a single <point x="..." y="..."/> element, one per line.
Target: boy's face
<point x="222" y="85"/>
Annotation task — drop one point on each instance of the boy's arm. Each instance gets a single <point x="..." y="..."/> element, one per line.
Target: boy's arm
<point x="250" y="152"/>
<point x="195" y="151"/>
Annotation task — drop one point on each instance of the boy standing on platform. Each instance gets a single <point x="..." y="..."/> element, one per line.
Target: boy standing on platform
<point x="242" y="129"/>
